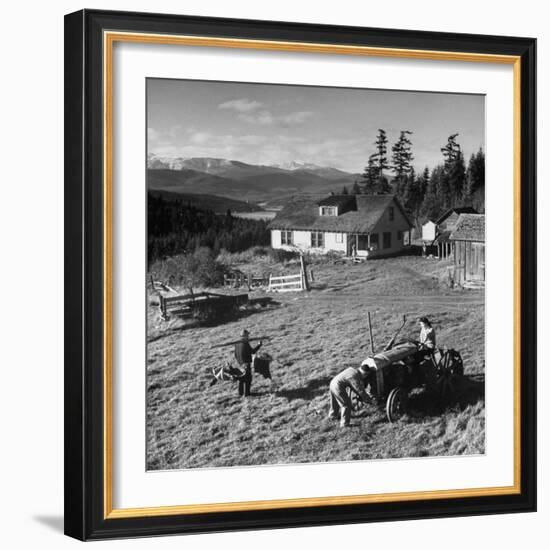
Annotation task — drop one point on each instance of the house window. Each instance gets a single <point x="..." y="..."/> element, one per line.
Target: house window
<point x="286" y="237"/>
<point x="392" y="213"/>
<point x="329" y="211"/>
<point x="339" y="238"/>
<point x="317" y="239"/>
<point x="374" y="241"/>
<point x="387" y="240"/>
<point x="400" y="236"/>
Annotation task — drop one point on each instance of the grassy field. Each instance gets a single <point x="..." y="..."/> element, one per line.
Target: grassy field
<point x="313" y="336"/>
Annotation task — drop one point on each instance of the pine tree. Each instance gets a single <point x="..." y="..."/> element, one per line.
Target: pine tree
<point x="433" y="204"/>
<point x="382" y="152"/>
<point x="356" y="190"/>
<point x="424" y="179"/>
<point x="450" y="151"/>
<point x="452" y="183"/>
<point x="414" y="195"/>
<point x="383" y="186"/>
<point x="344" y="191"/>
<point x="401" y="158"/>
<point x="457" y="180"/>
<point x="370" y="176"/>
<point x="475" y="182"/>
<point x="228" y="222"/>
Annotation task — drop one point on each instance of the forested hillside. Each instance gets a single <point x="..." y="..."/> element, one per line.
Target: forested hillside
<point x="175" y="227"/>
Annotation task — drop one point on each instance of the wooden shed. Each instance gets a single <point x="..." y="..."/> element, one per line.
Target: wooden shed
<point x="468" y="239"/>
<point x="445" y="225"/>
<point x="429" y="231"/>
<point x="448" y="221"/>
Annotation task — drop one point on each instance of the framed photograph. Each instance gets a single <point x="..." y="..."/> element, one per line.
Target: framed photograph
<point x="300" y="274"/>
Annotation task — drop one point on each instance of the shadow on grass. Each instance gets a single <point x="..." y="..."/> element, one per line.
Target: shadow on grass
<point x="311" y="390"/>
<point x="468" y="390"/>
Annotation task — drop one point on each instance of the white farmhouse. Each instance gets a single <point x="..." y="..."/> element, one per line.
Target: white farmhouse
<point x="373" y="225"/>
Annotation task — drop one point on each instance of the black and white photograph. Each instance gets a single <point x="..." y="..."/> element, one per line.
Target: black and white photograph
<point x="316" y="274"/>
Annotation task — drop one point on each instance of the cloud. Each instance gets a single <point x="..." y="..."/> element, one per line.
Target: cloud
<point x="243" y="105"/>
<point x="266" y="118"/>
<point x="263" y="118"/>
<point x="293" y="119"/>
<point x="200" y="138"/>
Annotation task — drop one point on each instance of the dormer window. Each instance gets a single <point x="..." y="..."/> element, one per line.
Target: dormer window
<point x="392" y="213"/>
<point x="328" y="211"/>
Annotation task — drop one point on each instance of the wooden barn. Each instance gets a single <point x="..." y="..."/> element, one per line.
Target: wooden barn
<point x="354" y="225"/>
<point x="468" y="240"/>
<point x="445" y="225"/>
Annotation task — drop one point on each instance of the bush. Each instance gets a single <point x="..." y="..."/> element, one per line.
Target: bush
<point x="280" y="255"/>
<point x="329" y="257"/>
<point x="200" y="269"/>
<point x="260" y="251"/>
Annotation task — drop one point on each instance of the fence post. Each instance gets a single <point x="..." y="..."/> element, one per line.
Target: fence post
<point x="370" y="334"/>
<point x="305" y="285"/>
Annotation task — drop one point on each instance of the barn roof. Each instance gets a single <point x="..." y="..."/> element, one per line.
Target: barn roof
<point x="362" y="213"/>
<point x="443" y="237"/>
<point x="469" y="227"/>
<point x="459" y="210"/>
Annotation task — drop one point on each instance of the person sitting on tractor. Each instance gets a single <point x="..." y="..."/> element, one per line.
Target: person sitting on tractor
<point x="243" y="355"/>
<point x="427" y="334"/>
<point x="340" y="399"/>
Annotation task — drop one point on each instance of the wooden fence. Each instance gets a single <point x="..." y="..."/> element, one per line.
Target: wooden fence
<point x="290" y="283"/>
<point x="286" y="283"/>
<point x="236" y="279"/>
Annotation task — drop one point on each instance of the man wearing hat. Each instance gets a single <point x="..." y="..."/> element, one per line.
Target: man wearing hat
<point x="243" y="355"/>
<point x="340" y="399"/>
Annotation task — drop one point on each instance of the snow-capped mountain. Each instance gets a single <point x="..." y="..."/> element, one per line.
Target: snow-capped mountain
<point x="203" y="164"/>
<point x="241" y="181"/>
<point x="294" y="165"/>
<point x="235" y="168"/>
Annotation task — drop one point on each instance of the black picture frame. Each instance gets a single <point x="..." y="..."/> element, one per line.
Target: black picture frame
<point x="85" y="517"/>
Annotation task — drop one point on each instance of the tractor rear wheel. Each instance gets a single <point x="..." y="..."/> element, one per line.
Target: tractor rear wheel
<point x="450" y="372"/>
<point x="396" y="404"/>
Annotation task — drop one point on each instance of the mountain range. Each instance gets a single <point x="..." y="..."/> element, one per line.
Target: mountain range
<point x="268" y="185"/>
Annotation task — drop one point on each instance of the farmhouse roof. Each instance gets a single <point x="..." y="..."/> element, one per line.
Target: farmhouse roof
<point x="459" y="210"/>
<point x="469" y="227"/>
<point x="347" y="201"/>
<point x="302" y="212"/>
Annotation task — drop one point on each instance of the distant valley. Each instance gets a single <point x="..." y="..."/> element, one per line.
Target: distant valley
<point x="208" y="180"/>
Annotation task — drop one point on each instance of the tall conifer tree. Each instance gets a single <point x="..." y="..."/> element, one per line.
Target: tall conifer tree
<point x="401" y="163"/>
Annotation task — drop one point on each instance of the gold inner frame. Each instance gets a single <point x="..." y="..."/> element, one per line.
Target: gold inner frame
<point x="109" y="39"/>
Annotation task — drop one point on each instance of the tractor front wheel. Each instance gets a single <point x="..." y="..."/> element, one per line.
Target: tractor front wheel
<point x="396" y="404"/>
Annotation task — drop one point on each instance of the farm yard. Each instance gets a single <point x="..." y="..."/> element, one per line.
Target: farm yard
<point x="312" y="337"/>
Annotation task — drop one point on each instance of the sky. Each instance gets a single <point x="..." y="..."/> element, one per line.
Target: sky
<point x="275" y="124"/>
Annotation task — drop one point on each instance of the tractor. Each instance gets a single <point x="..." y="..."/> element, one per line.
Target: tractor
<point x="406" y="365"/>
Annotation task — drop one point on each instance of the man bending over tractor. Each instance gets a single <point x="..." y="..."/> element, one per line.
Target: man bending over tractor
<point x="340" y="399"/>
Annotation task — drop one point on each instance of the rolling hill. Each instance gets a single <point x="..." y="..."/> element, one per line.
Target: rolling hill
<point x="240" y="181"/>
